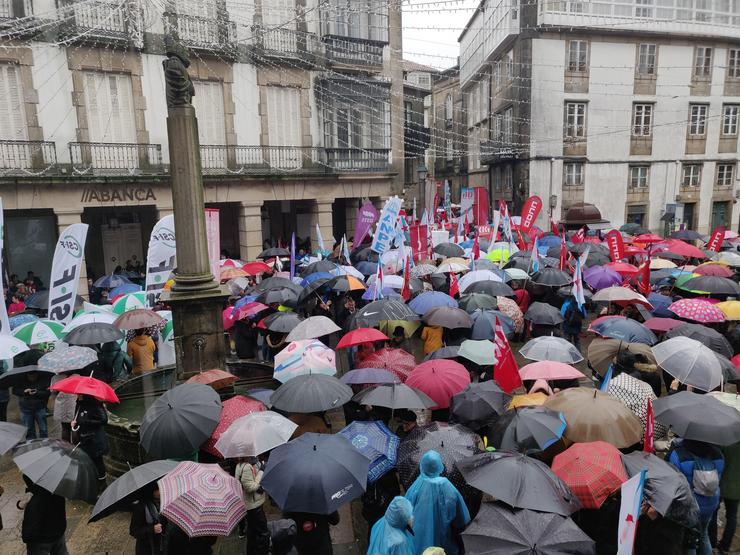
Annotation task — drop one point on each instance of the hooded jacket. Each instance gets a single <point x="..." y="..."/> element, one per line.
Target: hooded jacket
<point x="141" y="350"/>
<point x="390" y="535"/>
<point x="437" y="506"/>
<point x="114" y="363"/>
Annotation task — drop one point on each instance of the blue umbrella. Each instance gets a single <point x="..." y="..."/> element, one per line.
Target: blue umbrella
<point x="241" y="302"/>
<point x="309" y="279"/>
<point x="262" y="394"/>
<point x="376" y="442"/>
<point x="367" y="268"/>
<point x="484" y="322"/>
<point x="388" y="293"/>
<point x="625" y="329"/>
<point x="549" y="241"/>
<point x="21" y="319"/>
<point x="110" y="281"/>
<point x="660" y="305"/>
<point x="124" y="289"/>
<point x="429" y="300"/>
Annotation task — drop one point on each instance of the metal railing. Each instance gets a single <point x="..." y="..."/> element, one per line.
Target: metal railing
<point x="104" y="20"/>
<point x="236" y="159"/>
<point x="27" y="157"/>
<point x="116" y="158"/>
<point x="346" y="50"/>
<point x="15" y="8"/>
<point x="200" y="32"/>
<point x="358" y="160"/>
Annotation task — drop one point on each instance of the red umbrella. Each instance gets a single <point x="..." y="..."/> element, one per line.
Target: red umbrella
<point x="697" y="310"/>
<point x="233" y="408"/>
<point x="215" y="378"/>
<point x="662" y="325"/>
<point x="631" y="250"/>
<point x="440" y="379"/>
<point x="359" y="336"/>
<point x="593" y="471"/>
<point x="256" y="268"/>
<point x="397" y="361"/>
<point x="249" y="310"/>
<point x="680" y="248"/>
<point x="717" y="270"/>
<point x="85" y="385"/>
<point x="229" y="318"/>
<point x="647" y="238"/>
<point x="622" y="268"/>
<point x="736" y="361"/>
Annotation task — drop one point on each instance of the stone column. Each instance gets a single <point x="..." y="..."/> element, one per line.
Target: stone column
<point x="250" y="230"/>
<point x="350" y="211"/>
<point x="66" y="218"/>
<point x="322" y="215"/>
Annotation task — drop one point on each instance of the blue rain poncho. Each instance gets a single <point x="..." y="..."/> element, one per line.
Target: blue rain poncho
<point x="389" y="535"/>
<point x="437" y="506"/>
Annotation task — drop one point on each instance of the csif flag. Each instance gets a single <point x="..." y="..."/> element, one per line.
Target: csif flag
<point x="506" y="372"/>
<point x="65" y="272"/>
<point x="161" y="258"/>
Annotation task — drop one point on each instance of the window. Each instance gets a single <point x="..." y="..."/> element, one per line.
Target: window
<point x="575" y="120"/>
<point x="474" y="149"/>
<point x="449" y="149"/>
<point x="507" y="126"/>
<point x="448" y="109"/>
<point x="408" y="112"/>
<point x="642" y="120"/>
<point x="507" y="73"/>
<point x="356" y="115"/>
<point x="729" y="119"/>
<point x="646" y="56"/>
<point x="733" y="63"/>
<point x="644" y="8"/>
<point x="639" y="176"/>
<point x="209" y="107"/>
<point x="109" y="107"/>
<point x="703" y="61"/>
<point x="573" y="174"/>
<point x="283" y="116"/>
<point x="577" y="55"/>
<point x="725" y="175"/>
<point x="12" y="121"/>
<point x="691" y="175"/>
<point x="637" y="214"/>
<point x="698" y="119"/>
<point x="497" y="130"/>
<point x="346" y="18"/>
<point x="508" y="178"/>
<point x="279" y="17"/>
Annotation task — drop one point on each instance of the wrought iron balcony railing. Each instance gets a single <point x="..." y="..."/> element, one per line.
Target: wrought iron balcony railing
<point x="351" y="51"/>
<point x="208" y="34"/>
<point x="102" y="21"/>
<point x="358" y="160"/>
<point x="27" y="157"/>
<point x="234" y="159"/>
<point x="116" y="158"/>
<point x="286" y="43"/>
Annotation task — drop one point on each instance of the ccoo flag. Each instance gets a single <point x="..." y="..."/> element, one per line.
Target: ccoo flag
<point x="160" y="258"/>
<point x="65" y="272"/>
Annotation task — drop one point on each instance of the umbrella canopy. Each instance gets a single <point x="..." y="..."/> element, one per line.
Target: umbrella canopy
<point x="451" y="267"/>
<point x="601" y="277"/>
<point x="731" y="309"/>
<point x="40" y="300"/>
<point x="443" y="352"/>
<point x="10" y="436"/>
<point x="449" y="250"/>
<point x="130" y="301"/>
<point x="86" y="385"/>
<point x="361" y="376"/>
<point x="360" y="336"/>
<point x="480" y="352"/>
<point x="690" y="362"/>
<point x="123" y="290"/>
<point x="499" y="529"/>
<point x="311" y="393"/>
<point x="549" y="370"/>
<point x="65" y="359"/>
<point x="385" y="309"/>
<point x="89" y="318"/>
<point x="477" y="276"/>
<point x="202" y="499"/>
<point x="686" y="235"/>
<point x="595" y="416"/>
<point x="624" y="329"/>
<point x="699" y="417"/>
<point x="93" y="334"/>
<point x="519" y="481"/>
<point x="712" y="284"/>
<point x="376" y="442"/>
<point x="511" y="309"/>
<point x="304" y="357"/>
<point x="421" y="270"/>
<point x="493" y="288"/>
<point x="484" y="323"/>
<point x="679" y="247"/>
<point x="397" y="361"/>
<point x="277" y="296"/>
<point x="478" y="404"/>
<point x="543" y="314"/>
<point x="316" y="473"/>
<point x="661" y="264"/>
<point x="551" y="277"/>
<point x="311" y="328"/>
<point x="447" y="317"/>
<point x="20" y="319"/>
<point x="179" y="421"/>
<point x="11" y="346"/>
<point x="602" y="353"/>
<point x="345" y="284"/>
<point x="254" y="434"/>
<point x="527" y="430"/>
<point x="395" y="396"/>
<point x="551" y="348"/>
<point x="231" y="410"/>
<point x="704" y="335"/>
<point x="593" y="471"/>
<point x="662" y="325"/>
<point x="58" y="467"/>
<point x="111" y="281"/>
<point x="10" y="377"/>
<point x="39" y="331"/>
<point x="697" y="310"/>
<point x="621" y="296"/>
<point x="127" y="487"/>
<point x="666" y="489"/>
<point x="282" y="322"/>
<point x="440" y="379"/>
<point x="423" y="303"/>
<point x="273" y="253"/>
<point x="138" y="318"/>
<point x="470" y="302"/>
<point x="217" y="379"/>
<point x="713" y="269"/>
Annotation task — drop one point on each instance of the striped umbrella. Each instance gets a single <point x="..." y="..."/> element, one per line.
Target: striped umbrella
<point x="83" y="317"/>
<point x="10" y="346"/>
<point x="40" y="331"/>
<point x="202" y="499"/>
<point x="129" y="302"/>
<point x="64" y="359"/>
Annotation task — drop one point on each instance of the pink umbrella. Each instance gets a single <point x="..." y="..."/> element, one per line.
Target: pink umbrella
<point x="697" y="310"/>
<point x="397" y="361"/>
<point x="231" y="409"/>
<point x="549" y="370"/>
<point x="228" y="318"/>
<point x="511" y="309"/>
<point x="662" y="325"/>
<point x="713" y="270"/>
<point x="440" y="379"/>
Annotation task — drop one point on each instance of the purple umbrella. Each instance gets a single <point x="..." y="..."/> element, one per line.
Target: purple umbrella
<point x="599" y="277"/>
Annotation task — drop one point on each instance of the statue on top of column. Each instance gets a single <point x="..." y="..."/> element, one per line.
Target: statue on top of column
<point x="178" y="86"/>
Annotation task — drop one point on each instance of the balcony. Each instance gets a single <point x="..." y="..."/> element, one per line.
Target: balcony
<point x="27" y="157"/>
<point x="358" y="159"/>
<point x="102" y="22"/>
<point x="286" y="43"/>
<point x="352" y="51"/>
<point x="111" y="159"/>
<point x="261" y="160"/>
<point x="215" y="35"/>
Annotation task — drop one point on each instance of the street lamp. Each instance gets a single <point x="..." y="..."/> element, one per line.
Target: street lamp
<point x="422" y="172"/>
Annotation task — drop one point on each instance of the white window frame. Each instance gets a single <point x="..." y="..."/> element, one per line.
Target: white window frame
<point x="109" y="97"/>
<point x="639" y="177"/>
<point x="733" y="63"/>
<point x="703" y="57"/>
<point x="647" y="58"/>
<point x="730" y="116"/>
<point x="211" y="113"/>
<point x="448" y="109"/>
<point x="644" y="8"/>
<point x="449" y="149"/>
<point x="698" y="114"/>
<point x="573" y="174"/>
<point x="691" y="176"/>
<point x="507" y="125"/>
<point x="577" y="56"/>
<point x="725" y="175"/>
<point x="575" y="120"/>
<point x="12" y="109"/>
<point x="642" y="119"/>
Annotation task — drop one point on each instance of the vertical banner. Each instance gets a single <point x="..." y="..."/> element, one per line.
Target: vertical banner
<point x="4" y="323"/>
<point x="615" y="242"/>
<point x="430" y="192"/>
<point x="386" y="230"/>
<point x="367" y="215"/>
<point x="448" y="200"/>
<point x="160" y="258"/>
<point x="530" y="211"/>
<point x="480" y="206"/>
<point x="213" y="236"/>
<point x="65" y="272"/>
<point x="467" y="198"/>
<point x="629" y="513"/>
<point x="716" y="239"/>
<point x="419" y="241"/>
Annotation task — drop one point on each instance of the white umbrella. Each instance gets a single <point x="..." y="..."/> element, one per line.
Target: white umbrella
<point x="11" y="346"/>
<point x="454" y="267"/>
<point x="516" y="273"/>
<point x="311" y="328"/>
<point x="255" y="433"/>
<point x="90" y="307"/>
<point x="394" y="282"/>
<point x="690" y="362"/>
<point x="475" y="276"/>
<point x="551" y="348"/>
<point x="89" y="318"/>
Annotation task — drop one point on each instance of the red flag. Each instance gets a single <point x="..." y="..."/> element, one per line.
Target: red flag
<point x="563" y="251"/>
<point x="456" y="237"/>
<point x="520" y="241"/>
<point x="506" y="372"/>
<point x="579" y="235"/>
<point x="406" y="290"/>
<point x="467" y="226"/>
<point x="615" y="242"/>
<point x="554" y="226"/>
<point x="717" y="238"/>
<point x="649" y="441"/>
<point x="530" y="211"/>
<point x="476" y="248"/>
<point x="454" y="287"/>
<point x="643" y="283"/>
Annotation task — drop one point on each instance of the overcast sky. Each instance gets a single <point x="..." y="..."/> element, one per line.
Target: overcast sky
<point x="430" y="30"/>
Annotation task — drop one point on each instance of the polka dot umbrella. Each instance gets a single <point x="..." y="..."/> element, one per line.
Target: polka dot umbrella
<point x="697" y="310"/>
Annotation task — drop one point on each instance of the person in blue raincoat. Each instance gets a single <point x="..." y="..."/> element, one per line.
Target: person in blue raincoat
<point x="391" y="535"/>
<point x="438" y="507"/>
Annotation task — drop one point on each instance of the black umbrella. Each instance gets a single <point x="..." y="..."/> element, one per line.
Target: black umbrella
<point x="449" y="250"/>
<point x="365" y="254"/>
<point x="93" y="334"/>
<point x="492" y="288"/>
<point x="498" y="529"/>
<point x="279" y="296"/>
<point x="315" y="473"/>
<point x="708" y="336"/>
<point x="551" y="277"/>
<point x="484" y="322"/>
<point x="478" y="404"/>
<point x="11" y="377"/>
<point x="567" y="292"/>
<point x="448" y="317"/>
<point x="473" y="301"/>
<point x="277" y="283"/>
<point x="372" y="314"/>
<point x="686" y="235"/>
<point x="519" y="481"/>
<point x="395" y="396"/>
<point x="527" y="430"/>
<point x="699" y="417"/>
<point x="273" y="252"/>
<point x="179" y="421"/>
<point x="318" y="266"/>
<point x="668" y="256"/>
<point x="633" y="229"/>
<point x="311" y="393"/>
<point x="59" y="467"/>
<point x="444" y="352"/>
<point x="40" y="300"/>
<point x="311" y="292"/>
<point x="666" y="489"/>
<point x="554" y="251"/>
<point x="10" y="436"/>
<point x="543" y="314"/>
<point x="127" y="487"/>
<point x="282" y="322"/>
<point x="596" y="259"/>
<point x="715" y="285"/>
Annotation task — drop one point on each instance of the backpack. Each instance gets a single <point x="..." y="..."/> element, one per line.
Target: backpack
<point x="705" y="477"/>
<point x="573" y="315"/>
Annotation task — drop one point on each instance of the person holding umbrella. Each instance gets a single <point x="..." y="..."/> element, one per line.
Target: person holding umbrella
<point x="147" y="525"/>
<point x="89" y="423"/>
<point x="32" y="391"/>
<point x="44" y="521"/>
<point x="392" y="534"/>
<point x="573" y="317"/>
<point x="249" y="473"/>
<point x="114" y="363"/>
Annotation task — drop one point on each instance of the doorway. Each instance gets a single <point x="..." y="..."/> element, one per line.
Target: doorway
<point x="720" y="214"/>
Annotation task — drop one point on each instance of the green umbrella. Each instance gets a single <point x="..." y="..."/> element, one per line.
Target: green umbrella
<point x="480" y="352"/>
<point x="40" y="331"/>
<point x="472" y="301"/>
<point x="130" y="301"/>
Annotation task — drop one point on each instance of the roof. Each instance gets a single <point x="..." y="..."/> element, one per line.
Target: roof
<point x="408" y="66"/>
<point x="480" y="9"/>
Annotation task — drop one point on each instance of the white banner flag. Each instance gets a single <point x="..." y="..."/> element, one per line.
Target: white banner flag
<point x="65" y="272"/>
<point x="5" y="325"/>
<point x="160" y="258"/>
<point x="629" y="513"/>
<point x="385" y="232"/>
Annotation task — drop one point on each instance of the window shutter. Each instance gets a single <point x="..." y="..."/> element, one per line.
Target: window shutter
<point x="109" y="107"/>
<point x="209" y="109"/>
<point x="12" y="110"/>
<point x="284" y="116"/>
